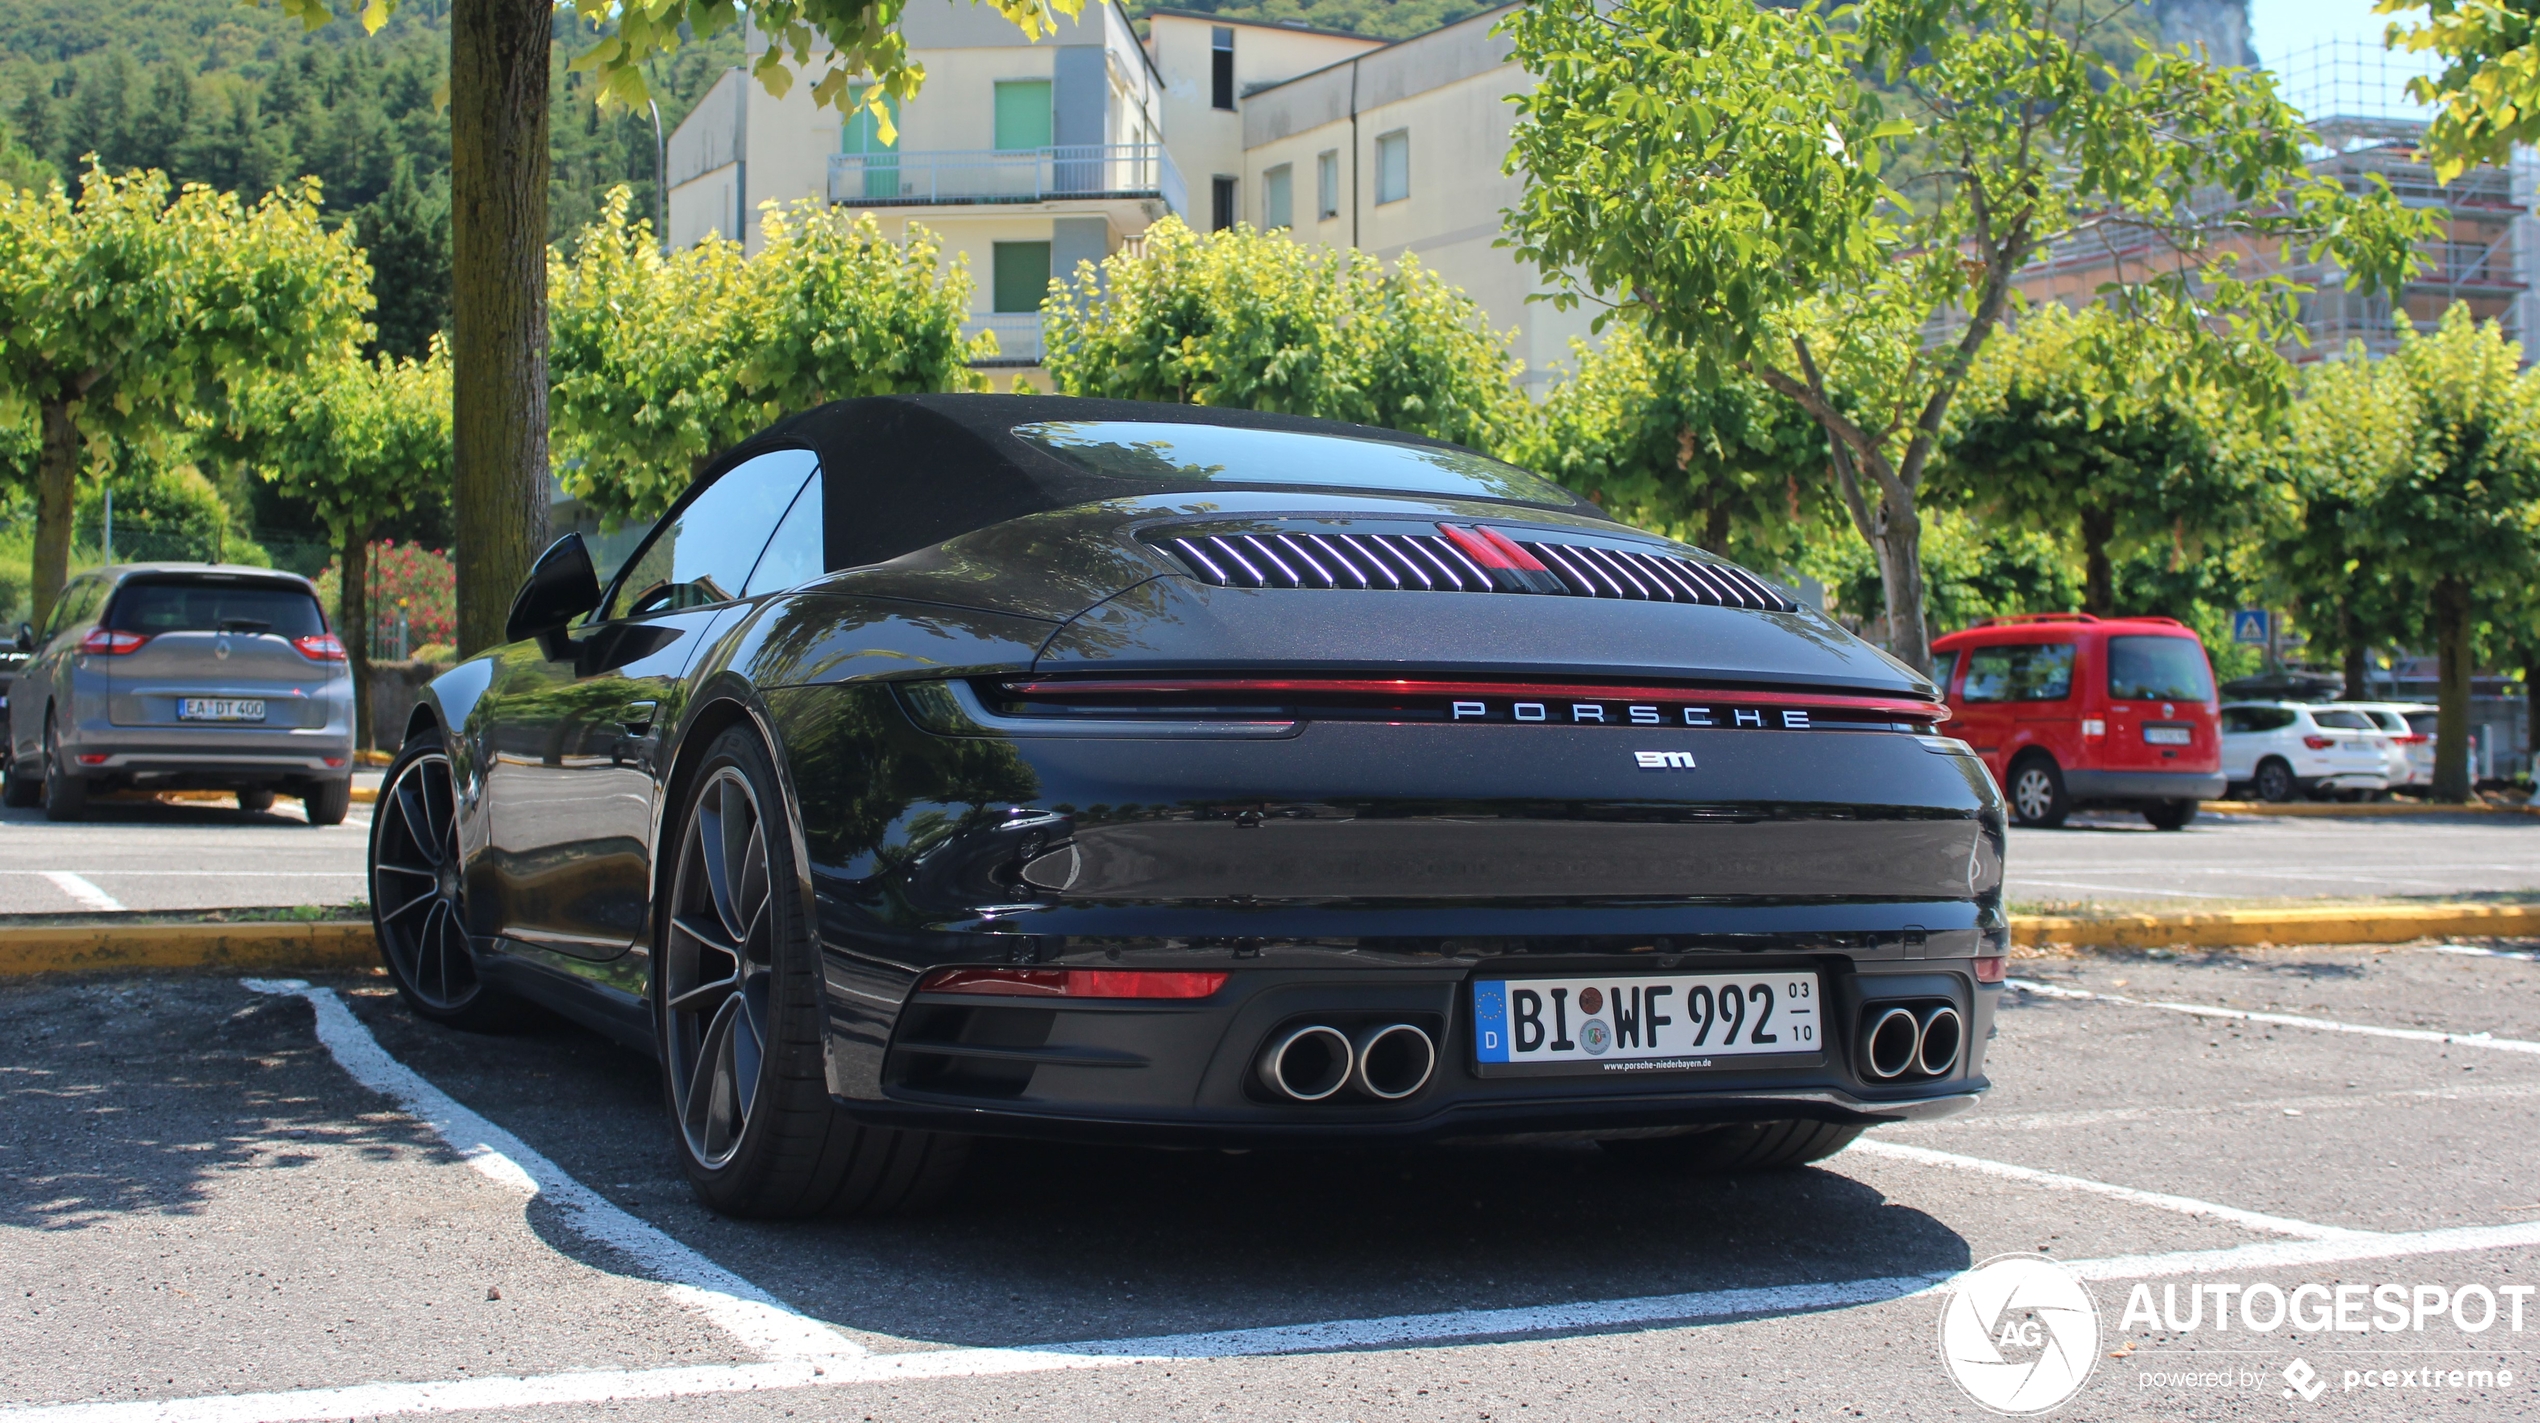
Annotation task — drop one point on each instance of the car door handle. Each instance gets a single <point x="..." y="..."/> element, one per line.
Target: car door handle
<point x="637" y="717"/>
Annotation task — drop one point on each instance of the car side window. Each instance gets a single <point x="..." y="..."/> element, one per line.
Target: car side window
<point x="799" y="551"/>
<point x="2256" y="718"/>
<point x="2341" y="720"/>
<point x="70" y="608"/>
<point x="1943" y="666"/>
<point x="704" y="551"/>
<point x="2026" y="672"/>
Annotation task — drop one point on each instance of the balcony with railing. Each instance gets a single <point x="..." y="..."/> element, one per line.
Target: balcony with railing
<point x="1019" y="175"/>
<point x="1018" y="336"/>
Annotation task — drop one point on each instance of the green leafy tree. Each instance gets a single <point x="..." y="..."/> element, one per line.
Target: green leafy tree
<point x="1715" y="170"/>
<point x="361" y="442"/>
<point x="2321" y="478"/>
<point x="2457" y="522"/>
<point x="500" y="100"/>
<point x="2487" y="99"/>
<point x="126" y="312"/>
<point x="2072" y="423"/>
<point x="1641" y="430"/>
<point x="1257" y="321"/>
<point x="662" y="361"/>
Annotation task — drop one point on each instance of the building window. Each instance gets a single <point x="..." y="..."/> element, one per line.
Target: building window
<point x="1021" y="280"/>
<point x="1276" y="198"/>
<point x="1023" y="113"/>
<point x="860" y="137"/>
<point x="1221" y="67"/>
<point x="1327" y="184"/>
<point x="1393" y="166"/>
<point x="1221" y="203"/>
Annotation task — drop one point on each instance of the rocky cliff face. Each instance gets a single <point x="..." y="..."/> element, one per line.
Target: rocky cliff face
<point x="2219" y="27"/>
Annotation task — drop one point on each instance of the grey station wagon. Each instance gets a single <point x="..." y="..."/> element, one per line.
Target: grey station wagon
<point x="183" y="676"/>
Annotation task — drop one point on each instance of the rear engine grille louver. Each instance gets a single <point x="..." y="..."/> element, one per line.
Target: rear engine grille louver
<point x="1464" y="561"/>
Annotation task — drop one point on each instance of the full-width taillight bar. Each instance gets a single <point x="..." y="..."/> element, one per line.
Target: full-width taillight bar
<point x="1897" y="707"/>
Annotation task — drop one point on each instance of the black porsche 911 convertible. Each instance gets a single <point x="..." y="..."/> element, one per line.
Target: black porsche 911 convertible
<point x="947" y="766"/>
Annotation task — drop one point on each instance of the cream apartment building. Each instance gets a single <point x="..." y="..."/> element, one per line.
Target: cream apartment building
<point x="1029" y="157"/>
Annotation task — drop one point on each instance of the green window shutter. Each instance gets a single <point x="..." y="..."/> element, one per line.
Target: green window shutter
<point x="1022" y="276"/>
<point x="1278" y="198"/>
<point x="1023" y="113"/>
<point x="861" y="135"/>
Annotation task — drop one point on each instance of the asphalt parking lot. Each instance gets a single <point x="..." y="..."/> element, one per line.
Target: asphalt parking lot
<point x="147" y="855"/>
<point x="203" y="1201"/>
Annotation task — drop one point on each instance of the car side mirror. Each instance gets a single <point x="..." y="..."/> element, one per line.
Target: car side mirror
<point x="26" y="637"/>
<point x="561" y="587"/>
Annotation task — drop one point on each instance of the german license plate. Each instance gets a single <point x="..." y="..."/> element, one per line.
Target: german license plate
<point x="220" y="709"/>
<point x="1643" y="1023"/>
<point x="2165" y="735"/>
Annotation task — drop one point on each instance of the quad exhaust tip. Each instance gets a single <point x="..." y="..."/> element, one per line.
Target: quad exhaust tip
<point x="1942" y="1031"/>
<point x="1891" y="1044"/>
<point x="1393" y="1061"/>
<point x="1387" y="1062"/>
<point x="1308" y="1064"/>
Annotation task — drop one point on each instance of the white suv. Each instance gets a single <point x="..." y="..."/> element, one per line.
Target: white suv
<point x="2410" y="728"/>
<point x="2281" y="750"/>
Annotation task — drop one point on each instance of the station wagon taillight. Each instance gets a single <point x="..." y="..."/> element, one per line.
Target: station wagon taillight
<point x="109" y="642"/>
<point x="2318" y="743"/>
<point x="320" y="647"/>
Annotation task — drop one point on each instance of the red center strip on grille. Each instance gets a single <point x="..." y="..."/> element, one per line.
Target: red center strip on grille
<point x="1510" y="549"/>
<point x="1408" y="687"/>
<point x="1480" y="550"/>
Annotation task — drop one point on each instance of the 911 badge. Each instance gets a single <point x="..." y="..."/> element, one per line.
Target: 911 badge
<point x="1663" y="760"/>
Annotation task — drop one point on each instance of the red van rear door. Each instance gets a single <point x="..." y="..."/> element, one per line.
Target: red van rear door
<point x="2160" y="704"/>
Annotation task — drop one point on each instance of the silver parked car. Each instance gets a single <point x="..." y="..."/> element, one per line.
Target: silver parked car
<point x="183" y="676"/>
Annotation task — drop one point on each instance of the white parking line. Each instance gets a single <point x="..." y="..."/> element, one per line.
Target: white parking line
<point x="752" y="1315"/>
<point x="2475" y="952"/>
<point x="2325" y="1025"/>
<point x="1397" y="1331"/>
<point x="88" y="895"/>
<point x="2184" y="1205"/>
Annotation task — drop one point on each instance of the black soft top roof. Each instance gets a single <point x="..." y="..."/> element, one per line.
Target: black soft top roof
<point x="905" y="472"/>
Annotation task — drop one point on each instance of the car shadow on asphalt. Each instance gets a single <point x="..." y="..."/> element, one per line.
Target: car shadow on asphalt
<point x="1046" y="1243"/>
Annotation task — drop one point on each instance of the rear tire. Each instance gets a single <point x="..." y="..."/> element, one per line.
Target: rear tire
<point x="2037" y="793"/>
<point x="1753" y="1146"/>
<point x="325" y="803"/>
<point x="2170" y="814"/>
<point x="738" y="1000"/>
<point x="255" y="801"/>
<point x="65" y="793"/>
<point x="2274" y="781"/>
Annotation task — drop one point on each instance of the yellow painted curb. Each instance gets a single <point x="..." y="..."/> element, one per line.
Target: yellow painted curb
<point x="2241" y="928"/>
<point x="240" y="948"/>
<point x="2341" y="810"/>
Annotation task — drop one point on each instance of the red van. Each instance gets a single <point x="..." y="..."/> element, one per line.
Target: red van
<point x="2070" y="710"/>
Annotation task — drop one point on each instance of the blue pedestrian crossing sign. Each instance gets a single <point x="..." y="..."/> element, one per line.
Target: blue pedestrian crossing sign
<point x="2249" y="625"/>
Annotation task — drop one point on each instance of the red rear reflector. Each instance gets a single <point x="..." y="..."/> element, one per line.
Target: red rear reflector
<point x="333" y="761"/>
<point x="92" y="758"/>
<point x="1993" y="969"/>
<point x="1072" y="982"/>
<point x="110" y="643"/>
<point x="320" y="647"/>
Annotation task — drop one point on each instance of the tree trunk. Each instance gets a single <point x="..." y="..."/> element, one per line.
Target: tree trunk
<point x="2099" y="581"/>
<point x="56" y="482"/>
<point x="2355" y="689"/>
<point x="1715" y="530"/>
<point x="2451" y="716"/>
<point x="1900" y="551"/>
<point x="353" y="562"/>
<point x="498" y="289"/>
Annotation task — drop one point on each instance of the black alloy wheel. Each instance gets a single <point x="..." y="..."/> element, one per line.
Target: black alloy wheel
<point x="2275" y="781"/>
<point x="738" y="1004"/>
<point x="2037" y="793"/>
<point x="65" y="790"/>
<point x="418" y="895"/>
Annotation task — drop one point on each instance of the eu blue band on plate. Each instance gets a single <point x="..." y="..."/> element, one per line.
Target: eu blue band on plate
<point x="1490" y="1022"/>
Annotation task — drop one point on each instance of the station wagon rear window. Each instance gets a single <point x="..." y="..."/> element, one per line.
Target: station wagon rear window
<point x="2024" y="672"/>
<point x="156" y="606"/>
<point x="1172" y="454"/>
<point x="2158" y="669"/>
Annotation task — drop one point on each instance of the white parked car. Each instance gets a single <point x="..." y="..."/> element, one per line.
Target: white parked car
<point x="2281" y="750"/>
<point x="2410" y="727"/>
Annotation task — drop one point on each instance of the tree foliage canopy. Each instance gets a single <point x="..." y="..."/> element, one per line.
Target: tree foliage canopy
<point x="1718" y="171"/>
<point x="661" y="362"/>
<point x="1258" y="321"/>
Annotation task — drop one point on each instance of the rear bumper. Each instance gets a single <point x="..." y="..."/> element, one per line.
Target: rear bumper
<point x="250" y="767"/>
<point x="2143" y="785"/>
